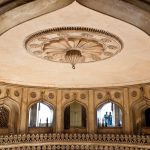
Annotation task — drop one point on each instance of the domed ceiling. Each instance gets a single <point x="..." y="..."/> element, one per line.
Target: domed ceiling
<point x="112" y="52"/>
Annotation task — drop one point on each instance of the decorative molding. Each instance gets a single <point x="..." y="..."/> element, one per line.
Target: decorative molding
<point x="42" y="94"/>
<point x="99" y="95"/>
<point x="33" y="94"/>
<point x="67" y="96"/>
<point x="82" y="96"/>
<point x="82" y="141"/>
<point x="7" y="92"/>
<point x="117" y="94"/>
<point x="134" y="93"/>
<point x="51" y="95"/>
<point x="56" y="44"/>
<point x="74" y="96"/>
<point x="108" y="96"/>
<point x="60" y="97"/>
<point x="16" y="93"/>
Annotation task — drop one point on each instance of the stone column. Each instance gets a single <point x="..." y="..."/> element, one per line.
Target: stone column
<point x="59" y="121"/>
<point x="24" y="111"/>
<point x="118" y="116"/>
<point x="91" y="113"/>
<point x="33" y="116"/>
<point x="126" y="119"/>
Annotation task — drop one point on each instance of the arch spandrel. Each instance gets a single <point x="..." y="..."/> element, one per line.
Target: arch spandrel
<point x="122" y="10"/>
<point x="69" y="96"/>
<point x="29" y="13"/>
<point x="101" y="6"/>
<point x="36" y="95"/>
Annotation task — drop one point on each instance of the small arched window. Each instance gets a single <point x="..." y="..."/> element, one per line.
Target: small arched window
<point x="41" y="115"/>
<point x="4" y="116"/>
<point x="109" y="115"/>
<point x="147" y="117"/>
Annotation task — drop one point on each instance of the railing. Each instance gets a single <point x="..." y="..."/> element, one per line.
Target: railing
<point x="145" y="130"/>
<point x="110" y="130"/>
<point x="74" y="142"/>
<point x="39" y="130"/>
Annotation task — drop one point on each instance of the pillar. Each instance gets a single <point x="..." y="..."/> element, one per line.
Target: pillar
<point x="91" y="113"/>
<point x="24" y="111"/>
<point x="127" y="123"/>
<point x="33" y="116"/>
<point x="59" y="121"/>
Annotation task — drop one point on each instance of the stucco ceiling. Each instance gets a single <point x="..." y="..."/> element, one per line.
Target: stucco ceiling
<point x="130" y="66"/>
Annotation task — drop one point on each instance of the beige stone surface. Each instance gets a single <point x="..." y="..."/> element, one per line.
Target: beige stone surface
<point x="132" y="100"/>
<point x="131" y="66"/>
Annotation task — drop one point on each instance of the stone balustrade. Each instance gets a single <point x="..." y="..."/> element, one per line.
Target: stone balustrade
<point x="57" y="141"/>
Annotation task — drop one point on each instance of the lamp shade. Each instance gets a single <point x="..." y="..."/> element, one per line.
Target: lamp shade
<point x="73" y="57"/>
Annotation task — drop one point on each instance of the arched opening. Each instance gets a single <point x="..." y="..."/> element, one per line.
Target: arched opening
<point x="109" y="115"/>
<point x="9" y="116"/>
<point x="147" y="117"/>
<point x="75" y="117"/>
<point x="41" y="115"/>
<point x="140" y="115"/>
<point x="4" y="117"/>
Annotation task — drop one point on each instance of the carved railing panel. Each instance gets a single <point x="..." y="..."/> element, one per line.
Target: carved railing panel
<point x="110" y="130"/>
<point x="39" y="130"/>
<point x="74" y="142"/>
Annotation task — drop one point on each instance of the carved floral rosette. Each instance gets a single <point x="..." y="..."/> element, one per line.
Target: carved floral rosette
<point x="93" y="44"/>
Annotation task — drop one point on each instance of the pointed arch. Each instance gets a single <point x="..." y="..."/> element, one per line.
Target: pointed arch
<point x="107" y="101"/>
<point x="75" y="116"/>
<point x="13" y="112"/>
<point x="41" y="117"/>
<point x="137" y="114"/>
<point x="109" y="114"/>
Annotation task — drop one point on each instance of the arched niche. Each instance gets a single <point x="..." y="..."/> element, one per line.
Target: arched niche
<point x="75" y="117"/>
<point x="41" y="117"/>
<point x="147" y="117"/>
<point x="13" y="111"/>
<point x="4" y="117"/>
<point x="109" y="117"/>
<point x="138" y="116"/>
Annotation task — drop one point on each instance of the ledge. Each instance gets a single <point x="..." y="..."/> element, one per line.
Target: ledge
<point x="74" y="141"/>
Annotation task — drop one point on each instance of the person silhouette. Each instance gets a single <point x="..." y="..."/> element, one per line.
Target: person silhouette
<point x="106" y="119"/>
<point x="110" y="119"/>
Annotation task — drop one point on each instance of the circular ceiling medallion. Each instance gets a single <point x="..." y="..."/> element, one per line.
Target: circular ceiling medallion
<point x="73" y="45"/>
